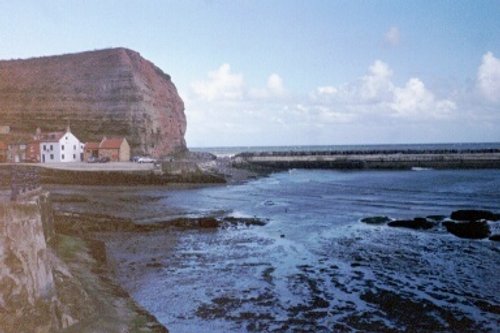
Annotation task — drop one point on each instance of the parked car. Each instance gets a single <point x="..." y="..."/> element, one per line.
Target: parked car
<point x="146" y="160"/>
<point x="92" y="159"/>
<point x="135" y="158"/>
<point x="103" y="159"/>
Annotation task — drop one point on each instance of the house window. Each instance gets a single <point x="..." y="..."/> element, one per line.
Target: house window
<point x="51" y="156"/>
<point x="51" y="147"/>
<point x="62" y="157"/>
<point x="62" y="147"/>
<point x="44" y="147"/>
<point x="74" y="147"/>
<point x="74" y="156"/>
<point x="66" y="138"/>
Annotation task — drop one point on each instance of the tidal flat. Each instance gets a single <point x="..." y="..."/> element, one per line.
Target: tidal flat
<point x="313" y="266"/>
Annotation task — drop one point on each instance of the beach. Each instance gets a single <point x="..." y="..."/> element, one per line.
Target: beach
<point x="313" y="265"/>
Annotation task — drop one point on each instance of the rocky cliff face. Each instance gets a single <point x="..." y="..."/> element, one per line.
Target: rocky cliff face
<point x="113" y="92"/>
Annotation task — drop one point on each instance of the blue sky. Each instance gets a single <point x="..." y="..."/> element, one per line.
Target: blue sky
<point x="295" y="72"/>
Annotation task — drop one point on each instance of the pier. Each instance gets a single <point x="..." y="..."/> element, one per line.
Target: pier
<point x="372" y="159"/>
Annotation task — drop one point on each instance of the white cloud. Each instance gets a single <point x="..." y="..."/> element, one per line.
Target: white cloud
<point x="221" y="84"/>
<point x="274" y="88"/>
<point x="392" y="36"/>
<point x="377" y="84"/>
<point x="375" y="94"/>
<point x="275" y="85"/>
<point x="488" y="77"/>
<point x="326" y="90"/>
<point x="415" y="99"/>
<point x="223" y="110"/>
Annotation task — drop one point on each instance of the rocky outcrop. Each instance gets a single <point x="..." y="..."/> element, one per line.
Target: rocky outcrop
<point x="471" y="230"/>
<point x="113" y="92"/>
<point x="473" y="215"/>
<point x="465" y="223"/>
<point x="417" y="223"/>
<point x="376" y="220"/>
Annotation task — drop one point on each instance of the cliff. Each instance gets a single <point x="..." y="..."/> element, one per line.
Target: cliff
<point x="113" y="92"/>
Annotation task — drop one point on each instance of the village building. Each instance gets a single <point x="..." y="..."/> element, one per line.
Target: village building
<point x="116" y="149"/>
<point x="60" y="147"/>
<point x="17" y="146"/>
<point x="91" y="150"/>
<point x="3" y="152"/>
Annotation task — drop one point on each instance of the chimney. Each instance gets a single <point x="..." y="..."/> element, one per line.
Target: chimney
<point x="38" y="133"/>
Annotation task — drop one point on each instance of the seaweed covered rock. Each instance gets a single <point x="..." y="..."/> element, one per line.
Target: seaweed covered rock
<point x="418" y="223"/>
<point x="472" y="230"/>
<point x="474" y="215"/>
<point x="376" y="220"/>
<point x="495" y="238"/>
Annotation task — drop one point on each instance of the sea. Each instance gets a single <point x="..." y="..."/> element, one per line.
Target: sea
<point x="314" y="266"/>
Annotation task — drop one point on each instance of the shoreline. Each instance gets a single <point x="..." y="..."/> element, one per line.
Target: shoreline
<point x="114" y="308"/>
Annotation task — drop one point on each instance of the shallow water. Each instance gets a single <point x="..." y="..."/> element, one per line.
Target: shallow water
<point x="314" y="267"/>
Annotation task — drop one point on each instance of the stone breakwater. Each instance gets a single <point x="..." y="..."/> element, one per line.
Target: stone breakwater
<point x="376" y="159"/>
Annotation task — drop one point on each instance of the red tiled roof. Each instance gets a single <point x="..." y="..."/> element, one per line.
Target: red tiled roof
<point x="52" y="137"/>
<point x="111" y="143"/>
<point x="3" y="146"/>
<point x="92" y="145"/>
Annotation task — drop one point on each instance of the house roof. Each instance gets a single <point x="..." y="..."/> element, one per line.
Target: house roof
<point x="91" y="145"/>
<point x="3" y="146"/>
<point x="111" y="143"/>
<point x="52" y="137"/>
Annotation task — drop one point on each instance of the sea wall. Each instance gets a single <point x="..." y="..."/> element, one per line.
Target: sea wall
<point x="28" y="295"/>
<point x="370" y="160"/>
<point x="57" y="176"/>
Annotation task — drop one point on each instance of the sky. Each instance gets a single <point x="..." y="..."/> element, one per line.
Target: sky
<point x="290" y="72"/>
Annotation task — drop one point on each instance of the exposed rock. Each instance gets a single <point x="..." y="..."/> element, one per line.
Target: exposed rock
<point x="244" y="220"/>
<point x="495" y="238"/>
<point x="208" y="222"/>
<point x="416" y="223"/>
<point x="473" y="215"/>
<point x="436" y="218"/>
<point x="113" y="92"/>
<point x="376" y="220"/>
<point x="473" y="230"/>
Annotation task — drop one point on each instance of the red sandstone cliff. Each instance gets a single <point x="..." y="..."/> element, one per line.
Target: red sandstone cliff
<point x="113" y="92"/>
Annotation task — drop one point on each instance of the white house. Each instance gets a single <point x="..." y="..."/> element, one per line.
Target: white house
<point x="60" y="147"/>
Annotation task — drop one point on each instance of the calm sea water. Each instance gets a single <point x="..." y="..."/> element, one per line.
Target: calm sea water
<point x="229" y="151"/>
<point x="314" y="267"/>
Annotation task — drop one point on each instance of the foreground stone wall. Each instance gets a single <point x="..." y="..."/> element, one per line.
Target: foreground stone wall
<point x="28" y="295"/>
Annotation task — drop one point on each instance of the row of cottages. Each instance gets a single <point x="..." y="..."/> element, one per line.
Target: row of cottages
<point x="115" y="149"/>
<point x="55" y="147"/>
<point x="18" y="148"/>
